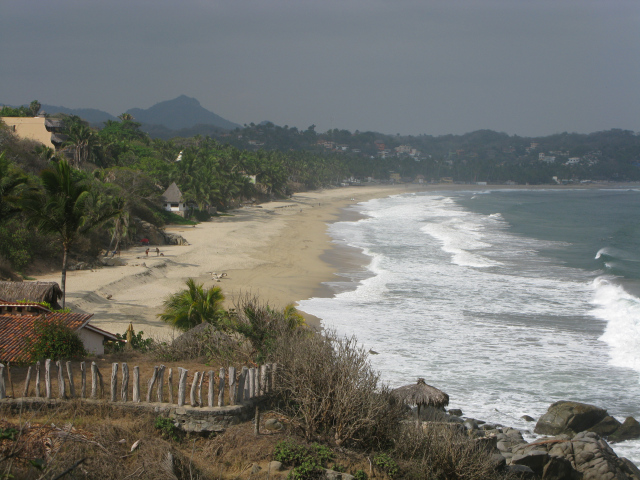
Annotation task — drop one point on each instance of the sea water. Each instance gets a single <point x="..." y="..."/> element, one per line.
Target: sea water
<point x="508" y="300"/>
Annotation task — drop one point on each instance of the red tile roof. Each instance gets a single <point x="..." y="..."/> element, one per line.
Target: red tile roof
<point x="15" y="330"/>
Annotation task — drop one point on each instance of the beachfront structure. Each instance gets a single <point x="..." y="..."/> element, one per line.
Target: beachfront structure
<point x="40" y="129"/>
<point x="16" y="332"/>
<point x="35" y="292"/>
<point x="173" y="201"/>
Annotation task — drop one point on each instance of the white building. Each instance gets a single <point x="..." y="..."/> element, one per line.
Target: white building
<point x="173" y="201"/>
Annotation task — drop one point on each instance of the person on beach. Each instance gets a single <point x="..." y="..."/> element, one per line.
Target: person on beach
<point x="157" y="252"/>
<point x="146" y="252"/>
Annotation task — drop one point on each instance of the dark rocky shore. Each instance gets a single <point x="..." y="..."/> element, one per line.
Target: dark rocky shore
<point x="575" y="445"/>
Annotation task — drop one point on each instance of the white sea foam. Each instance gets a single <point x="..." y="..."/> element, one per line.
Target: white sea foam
<point x="621" y="311"/>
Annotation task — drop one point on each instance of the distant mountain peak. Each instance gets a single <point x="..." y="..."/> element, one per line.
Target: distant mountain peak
<point x="181" y="112"/>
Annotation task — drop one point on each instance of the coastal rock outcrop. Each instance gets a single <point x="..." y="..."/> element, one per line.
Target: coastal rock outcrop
<point x="570" y="418"/>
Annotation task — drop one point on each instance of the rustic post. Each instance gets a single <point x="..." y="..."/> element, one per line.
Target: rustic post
<point x="242" y="385"/>
<point x="72" y="387"/>
<point x="61" y="385"/>
<point x="159" y="393"/>
<point x="25" y="393"/>
<point x="200" y="404"/>
<point x="151" y="382"/>
<point x="170" y="384"/>
<point x="83" y="380"/>
<point x="232" y="385"/>
<point x="252" y="381"/>
<point x="124" y="391"/>
<point x="256" y="427"/>
<point x="221" y="388"/>
<point x="13" y="395"/>
<point x="193" y="388"/>
<point x="47" y="377"/>
<point x="101" y="380"/>
<point x="182" y="385"/>
<point x="114" y="381"/>
<point x="274" y="376"/>
<point x="3" y="389"/>
<point x="210" y="396"/>
<point x="256" y="384"/>
<point x="136" y="384"/>
<point x="263" y="380"/>
<point x="38" y="379"/>
<point x="94" y="380"/>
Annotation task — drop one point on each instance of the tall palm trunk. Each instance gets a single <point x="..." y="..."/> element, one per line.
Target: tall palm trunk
<point x="64" y="275"/>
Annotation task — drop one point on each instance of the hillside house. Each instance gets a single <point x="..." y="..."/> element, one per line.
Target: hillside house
<point x="40" y="129"/>
<point x="16" y="331"/>
<point x="173" y="200"/>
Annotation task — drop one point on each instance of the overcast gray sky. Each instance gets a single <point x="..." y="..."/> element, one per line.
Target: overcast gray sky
<point x="526" y="67"/>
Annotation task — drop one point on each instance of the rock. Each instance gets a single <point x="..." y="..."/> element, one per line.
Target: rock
<point x="628" y="467"/>
<point x="275" y="466"/>
<point x="470" y="424"/>
<point x="346" y="476"/>
<point x="527" y="418"/>
<point x="174" y="239"/>
<point x="498" y="461"/>
<point x="332" y="475"/>
<point x="255" y="468"/>
<point x="273" y="425"/>
<point x="148" y="231"/>
<point x="606" y="426"/>
<point x="535" y="460"/>
<point x="487" y="426"/>
<point x="521" y="471"/>
<point x="628" y="430"/>
<point x="455" y="412"/>
<point x="558" y="468"/>
<point x="569" y="417"/>
<point x="112" y="262"/>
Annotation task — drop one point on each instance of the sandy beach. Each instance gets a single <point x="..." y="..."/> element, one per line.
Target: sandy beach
<point x="273" y="250"/>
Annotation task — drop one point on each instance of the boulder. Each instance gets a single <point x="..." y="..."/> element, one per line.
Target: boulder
<point x="470" y="424"/>
<point x="569" y="417"/>
<point x="275" y="466"/>
<point x="535" y="460"/>
<point x="606" y="426"/>
<point x="148" y="231"/>
<point x="273" y="425"/>
<point x="527" y="418"/>
<point x="455" y="412"/>
<point x="629" y="429"/>
<point x="558" y="468"/>
<point x="521" y="472"/>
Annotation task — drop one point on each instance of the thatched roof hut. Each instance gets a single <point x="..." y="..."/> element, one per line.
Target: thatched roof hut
<point x="31" y="291"/>
<point x="421" y="394"/>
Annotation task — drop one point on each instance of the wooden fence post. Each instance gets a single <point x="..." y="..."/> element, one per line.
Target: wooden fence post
<point x="3" y="389"/>
<point x="221" y="388"/>
<point x="159" y="393"/>
<point x="182" y="385"/>
<point x="61" y="385"/>
<point x="263" y="380"/>
<point x="83" y="380"/>
<point x="211" y="381"/>
<point x="25" y="393"/>
<point x="124" y="391"/>
<point x="38" y="379"/>
<point x="94" y="380"/>
<point x="242" y="385"/>
<point x="232" y="385"/>
<point x="252" y="381"/>
<point x="47" y="377"/>
<point x="193" y="389"/>
<point x="274" y="376"/>
<point x="200" y="403"/>
<point x="72" y="387"/>
<point x="152" y="381"/>
<point x="136" y="384"/>
<point x="170" y="384"/>
<point x="114" y="381"/>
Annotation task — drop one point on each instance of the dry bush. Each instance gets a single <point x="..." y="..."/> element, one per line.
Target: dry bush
<point x="438" y="452"/>
<point x="328" y="387"/>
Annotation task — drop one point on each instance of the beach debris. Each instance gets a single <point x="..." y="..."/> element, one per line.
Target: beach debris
<point x="109" y="296"/>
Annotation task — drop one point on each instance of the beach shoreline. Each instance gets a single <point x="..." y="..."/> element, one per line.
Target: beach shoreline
<point x="279" y="251"/>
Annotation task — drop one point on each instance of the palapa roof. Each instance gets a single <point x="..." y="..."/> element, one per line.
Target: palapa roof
<point x="421" y="394"/>
<point x="173" y="194"/>
<point x="16" y="330"/>
<point x="32" y="292"/>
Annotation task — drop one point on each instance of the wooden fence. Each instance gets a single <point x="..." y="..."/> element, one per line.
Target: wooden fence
<point x="236" y="385"/>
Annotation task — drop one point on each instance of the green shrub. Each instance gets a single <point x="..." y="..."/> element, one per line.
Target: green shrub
<point x="308" y="462"/>
<point x="167" y="428"/>
<point x="360" y="475"/>
<point x="137" y="343"/>
<point x="53" y="339"/>
<point x="386" y="464"/>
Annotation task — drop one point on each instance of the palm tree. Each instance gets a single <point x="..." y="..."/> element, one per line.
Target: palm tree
<point x="82" y="140"/>
<point x="10" y="181"/>
<point x="67" y="207"/>
<point x="193" y="306"/>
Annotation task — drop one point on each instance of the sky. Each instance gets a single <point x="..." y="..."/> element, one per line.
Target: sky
<point x="435" y="67"/>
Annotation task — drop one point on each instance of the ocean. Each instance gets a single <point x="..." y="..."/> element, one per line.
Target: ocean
<point x="508" y="300"/>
